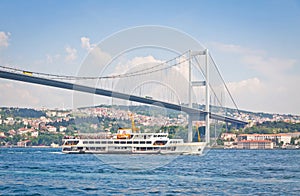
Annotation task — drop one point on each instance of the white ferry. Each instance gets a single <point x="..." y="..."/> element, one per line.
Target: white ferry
<point x="127" y="142"/>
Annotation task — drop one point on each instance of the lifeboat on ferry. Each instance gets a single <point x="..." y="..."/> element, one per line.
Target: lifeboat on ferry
<point x="124" y="134"/>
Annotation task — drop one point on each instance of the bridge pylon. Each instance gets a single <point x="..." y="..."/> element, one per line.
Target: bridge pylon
<point x="193" y="84"/>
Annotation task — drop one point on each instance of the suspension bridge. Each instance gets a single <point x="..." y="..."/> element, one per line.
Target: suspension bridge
<point x="202" y="73"/>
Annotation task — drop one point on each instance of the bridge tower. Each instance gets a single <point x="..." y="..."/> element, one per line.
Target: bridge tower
<point x="207" y="95"/>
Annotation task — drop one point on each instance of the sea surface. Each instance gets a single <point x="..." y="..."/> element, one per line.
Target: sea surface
<point x="46" y="171"/>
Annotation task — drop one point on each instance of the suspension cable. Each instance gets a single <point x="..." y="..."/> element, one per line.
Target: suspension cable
<point x="144" y="71"/>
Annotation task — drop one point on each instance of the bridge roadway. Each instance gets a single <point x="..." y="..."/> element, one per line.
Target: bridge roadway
<point x="195" y="113"/>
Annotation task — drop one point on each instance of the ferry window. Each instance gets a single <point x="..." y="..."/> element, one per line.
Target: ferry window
<point x="123" y="142"/>
<point x="148" y="142"/>
<point x="142" y="142"/>
<point x="160" y="142"/>
<point x="129" y="142"/>
<point x="116" y="142"/>
<point x="97" y="142"/>
<point x="136" y="142"/>
<point x="85" y="142"/>
<point x="145" y="137"/>
<point x="109" y="142"/>
<point x="91" y="142"/>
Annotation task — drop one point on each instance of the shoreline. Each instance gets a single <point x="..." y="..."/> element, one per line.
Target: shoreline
<point x="215" y="148"/>
<point x="29" y="147"/>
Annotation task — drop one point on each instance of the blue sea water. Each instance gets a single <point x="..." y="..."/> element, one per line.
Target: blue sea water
<point x="31" y="171"/>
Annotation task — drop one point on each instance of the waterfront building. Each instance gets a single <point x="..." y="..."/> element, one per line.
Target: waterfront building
<point x="280" y="138"/>
<point x="294" y="134"/>
<point x="229" y="145"/>
<point x="228" y="136"/>
<point x="23" y="143"/>
<point x="255" y="144"/>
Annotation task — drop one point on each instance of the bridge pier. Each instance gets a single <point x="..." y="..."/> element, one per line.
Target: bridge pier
<point x="190" y="129"/>
<point x="190" y="121"/>
<point x="207" y="95"/>
<point x="207" y="99"/>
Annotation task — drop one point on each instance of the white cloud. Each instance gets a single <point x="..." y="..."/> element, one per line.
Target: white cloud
<point x="258" y="60"/>
<point x="18" y="94"/>
<point x="135" y="63"/>
<point x="4" y="38"/>
<point x="269" y="67"/>
<point x="264" y="96"/>
<point x="71" y="54"/>
<point x="170" y="84"/>
<point x="236" y="49"/>
<point x="52" y="58"/>
<point x="85" y="43"/>
<point x="252" y="85"/>
<point x="253" y="95"/>
<point x="272" y="85"/>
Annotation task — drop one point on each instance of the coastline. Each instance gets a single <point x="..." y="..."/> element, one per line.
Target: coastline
<point x="14" y="146"/>
<point x="214" y="147"/>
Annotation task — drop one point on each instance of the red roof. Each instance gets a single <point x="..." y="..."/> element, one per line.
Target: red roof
<point x="256" y="141"/>
<point x="257" y="134"/>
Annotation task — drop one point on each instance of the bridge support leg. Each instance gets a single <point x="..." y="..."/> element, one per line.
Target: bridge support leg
<point x="190" y="129"/>
<point x="207" y="100"/>
<point x="190" y="121"/>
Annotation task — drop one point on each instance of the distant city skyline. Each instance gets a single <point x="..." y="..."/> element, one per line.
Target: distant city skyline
<point x="254" y="43"/>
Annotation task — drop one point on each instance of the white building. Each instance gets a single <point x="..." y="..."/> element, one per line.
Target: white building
<point x="255" y="144"/>
<point x="51" y="129"/>
<point x="228" y="136"/>
<point x="283" y="138"/>
<point x="35" y="134"/>
<point x="2" y="135"/>
<point x="62" y="129"/>
<point x="280" y="138"/>
<point x="9" y="121"/>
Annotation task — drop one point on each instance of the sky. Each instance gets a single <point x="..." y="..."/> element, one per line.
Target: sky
<point x="254" y="43"/>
